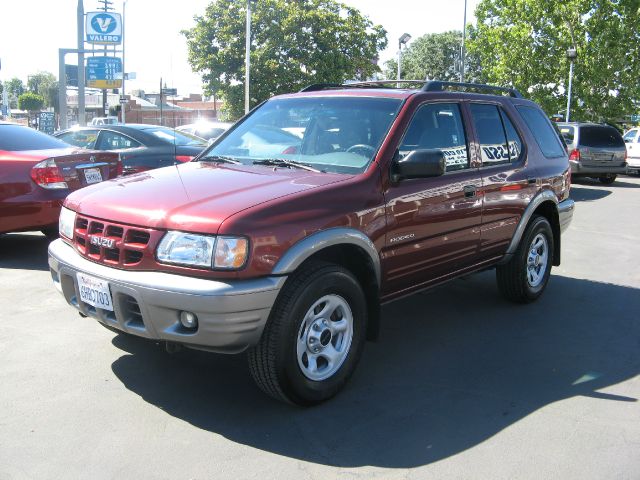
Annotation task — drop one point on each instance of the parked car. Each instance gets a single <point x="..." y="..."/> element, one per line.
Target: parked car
<point x="289" y="255"/>
<point x="595" y="150"/>
<point x="141" y="147"/>
<point x="207" y="130"/>
<point x="632" y="142"/>
<point x="96" y="121"/>
<point x="37" y="172"/>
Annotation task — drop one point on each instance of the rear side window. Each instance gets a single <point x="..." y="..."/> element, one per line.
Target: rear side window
<point x="16" y="138"/>
<point x="489" y="126"/>
<point x="542" y="130"/>
<point x="568" y="133"/>
<point x="80" y="138"/>
<point x="600" y="136"/>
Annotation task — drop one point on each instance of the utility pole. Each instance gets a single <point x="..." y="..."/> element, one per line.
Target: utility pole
<point x="247" y="61"/>
<point x="123" y="106"/>
<point x="81" y="80"/>
<point x="161" y="119"/>
<point x="464" y="38"/>
<point x="106" y="6"/>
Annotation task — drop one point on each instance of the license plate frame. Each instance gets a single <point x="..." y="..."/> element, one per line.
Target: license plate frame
<point x="92" y="175"/>
<point x="94" y="291"/>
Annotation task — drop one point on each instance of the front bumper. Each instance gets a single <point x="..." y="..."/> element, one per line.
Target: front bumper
<point x="231" y="314"/>
<point x="565" y="213"/>
<point x="580" y="170"/>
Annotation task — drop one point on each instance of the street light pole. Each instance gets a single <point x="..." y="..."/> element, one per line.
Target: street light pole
<point x="404" y="38"/>
<point x="572" y="54"/>
<point x="464" y="38"/>
<point x="123" y="106"/>
<point x="81" y="80"/>
<point x="247" y="61"/>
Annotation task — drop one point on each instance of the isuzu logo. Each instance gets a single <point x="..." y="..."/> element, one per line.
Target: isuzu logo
<point x="102" y="241"/>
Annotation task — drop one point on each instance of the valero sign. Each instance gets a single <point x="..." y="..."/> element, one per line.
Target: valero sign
<point x="104" y="28"/>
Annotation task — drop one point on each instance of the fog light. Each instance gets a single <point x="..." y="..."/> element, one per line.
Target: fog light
<point x="188" y="320"/>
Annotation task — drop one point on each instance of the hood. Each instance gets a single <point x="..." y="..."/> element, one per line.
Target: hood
<point x="194" y="197"/>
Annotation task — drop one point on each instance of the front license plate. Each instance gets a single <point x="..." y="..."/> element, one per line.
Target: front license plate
<point x="94" y="291"/>
<point x="92" y="175"/>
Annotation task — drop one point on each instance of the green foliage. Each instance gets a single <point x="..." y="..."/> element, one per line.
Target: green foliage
<point x="32" y="102"/>
<point x="45" y="85"/>
<point x="15" y="88"/>
<point x="294" y="43"/>
<point x="523" y="43"/>
<point x="435" y="56"/>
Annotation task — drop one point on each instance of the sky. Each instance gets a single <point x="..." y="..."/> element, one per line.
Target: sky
<point x="154" y="46"/>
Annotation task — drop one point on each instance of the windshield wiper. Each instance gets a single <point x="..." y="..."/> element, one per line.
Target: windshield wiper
<point x="281" y="162"/>
<point x="220" y="159"/>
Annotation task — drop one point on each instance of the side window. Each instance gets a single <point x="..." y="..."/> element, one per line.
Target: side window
<point x="438" y="126"/>
<point x="541" y="129"/>
<point x="114" y="141"/>
<point x="491" y="134"/>
<point x="80" y="138"/>
<point x="513" y="139"/>
<point x="630" y="136"/>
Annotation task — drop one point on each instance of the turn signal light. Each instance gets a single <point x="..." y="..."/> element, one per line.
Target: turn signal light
<point x="574" y="156"/>
<point x="47" y="175"/>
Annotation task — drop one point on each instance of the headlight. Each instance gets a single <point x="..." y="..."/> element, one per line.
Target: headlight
<point x="186" y="249"/>
<point x="203" y="250"/>
<point x="66" y="222"/>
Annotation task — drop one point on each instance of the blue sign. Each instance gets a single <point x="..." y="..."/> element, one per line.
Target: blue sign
<point x="104" y="72"/>
<point x="104" y="28"/>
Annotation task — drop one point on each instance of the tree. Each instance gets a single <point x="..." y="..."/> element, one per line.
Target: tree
<point x="15" y="88"/>
<point x="435" y="56"/>
<point x="294" y="43"/>
<point x="31" y="102"/>
<point x="45" y="85"/>
<point x="523" y="43"/>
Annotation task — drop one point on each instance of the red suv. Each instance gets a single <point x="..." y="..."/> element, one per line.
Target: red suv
<point x="285" y="236"/>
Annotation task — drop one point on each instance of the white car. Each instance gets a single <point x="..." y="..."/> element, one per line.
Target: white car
<point x="632" y="141"/>
<point x="104" y="121"/>
<point x="206" y="130"/>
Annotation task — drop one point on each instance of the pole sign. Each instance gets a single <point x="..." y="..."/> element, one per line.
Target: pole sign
<point x="104" y="72"/>
<point x="104" y="28"/>
<point x="47" y="122"/>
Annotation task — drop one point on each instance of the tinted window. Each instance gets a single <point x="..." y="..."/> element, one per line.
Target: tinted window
<point x="174" y="137"/>
<point x="600" y="137"/>
<point x="336" y="134"/>
<point x="513" y="139"/>
<point x="16" y="138"/>
<point x="491" y="135"/>
<point x="115" y="141"/>
<point x="438" y="126"/>
<point x="80" y="138"/>
<point x="542" y="130"/>
<point x="568" y="133"/>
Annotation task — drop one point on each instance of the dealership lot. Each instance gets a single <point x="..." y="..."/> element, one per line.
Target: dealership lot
<point x="461" y="384"/>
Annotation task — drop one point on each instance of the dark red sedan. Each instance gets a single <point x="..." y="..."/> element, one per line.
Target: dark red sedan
<point x="37" y="172"/>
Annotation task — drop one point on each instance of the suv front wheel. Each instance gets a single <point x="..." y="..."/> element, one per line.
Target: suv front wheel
<point x="525" y="276"/>
<point x="314" y="337"/>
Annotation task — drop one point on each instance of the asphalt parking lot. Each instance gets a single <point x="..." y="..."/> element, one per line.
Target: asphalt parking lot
<point x="461" y="384"/>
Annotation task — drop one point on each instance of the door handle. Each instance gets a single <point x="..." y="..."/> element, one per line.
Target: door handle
<point x="469" y="191"/>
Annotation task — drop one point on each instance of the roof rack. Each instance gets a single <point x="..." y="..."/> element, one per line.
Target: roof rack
<point x="425" y="86"/>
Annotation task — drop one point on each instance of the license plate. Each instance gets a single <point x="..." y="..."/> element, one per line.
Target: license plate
<point x="94" y="291"/>
<point x="92" y="175"/>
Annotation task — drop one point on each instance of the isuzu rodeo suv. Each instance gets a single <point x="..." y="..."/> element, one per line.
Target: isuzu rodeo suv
<point x="286" y="235"/>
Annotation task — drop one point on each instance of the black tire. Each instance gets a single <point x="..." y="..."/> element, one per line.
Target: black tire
<point x="274" y="361"/>
<point x="512" y="277"/>
<point x="50" y="233"/>
<point x="608" y="179"/>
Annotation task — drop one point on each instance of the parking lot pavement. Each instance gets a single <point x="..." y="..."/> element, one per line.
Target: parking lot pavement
<point x="461" y="384"/>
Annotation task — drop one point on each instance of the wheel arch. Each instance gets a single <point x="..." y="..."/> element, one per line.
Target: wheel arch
<point x="348" y="248"/>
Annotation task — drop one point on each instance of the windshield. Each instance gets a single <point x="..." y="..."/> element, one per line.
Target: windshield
<point x="174" y="137"/>
<point x="331" y="134"/>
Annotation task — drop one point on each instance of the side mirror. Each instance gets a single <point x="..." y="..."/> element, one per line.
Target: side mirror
<point x="419" y="164"/>
<point x="627" y="140"/>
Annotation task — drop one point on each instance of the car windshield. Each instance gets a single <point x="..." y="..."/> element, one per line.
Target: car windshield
<point x="174" y="137"/>
<point x="15" y="138"/>
<point x="332" y="134"/>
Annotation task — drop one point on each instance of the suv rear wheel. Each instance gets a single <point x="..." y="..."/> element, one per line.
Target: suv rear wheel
<point x="525" y="276"/>
<point x="314" y="337"/>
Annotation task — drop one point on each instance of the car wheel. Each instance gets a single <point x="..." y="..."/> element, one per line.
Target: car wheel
<point x="608" y="179"/>
<point x="50" y="233"/>
<point x="525" y="276"/>
<point x="314" y="336"/>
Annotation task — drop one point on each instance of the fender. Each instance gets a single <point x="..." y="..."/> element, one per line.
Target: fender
<point x="543" y="196"/>
<point x="312" y="244"/>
